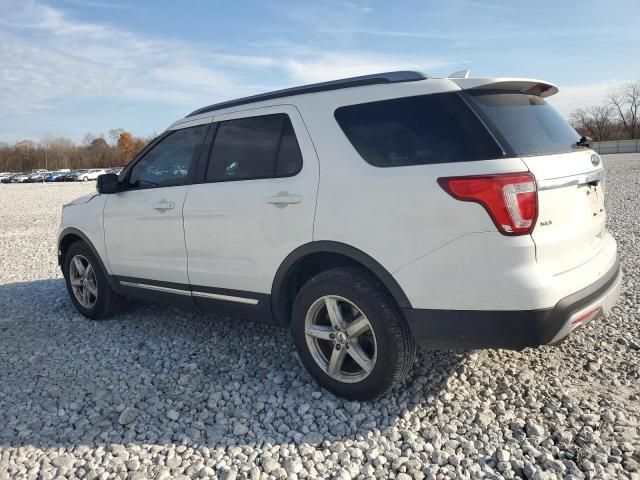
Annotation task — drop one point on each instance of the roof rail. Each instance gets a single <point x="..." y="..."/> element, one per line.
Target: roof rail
<point x="374" y="79"/>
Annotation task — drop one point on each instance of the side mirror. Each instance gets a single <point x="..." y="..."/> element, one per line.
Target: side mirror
<point x="108" y="183"/>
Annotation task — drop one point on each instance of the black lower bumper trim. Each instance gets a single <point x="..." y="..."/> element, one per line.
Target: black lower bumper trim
<point x="512" y="329"/>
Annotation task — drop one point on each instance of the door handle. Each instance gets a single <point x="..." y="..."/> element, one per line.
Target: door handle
<point x="163" y="206"/>
<point x="283" y="199"/>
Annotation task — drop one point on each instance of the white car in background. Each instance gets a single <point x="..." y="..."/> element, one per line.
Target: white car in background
<point x="92" y="174"/>
<point x="368" y="215"/>
<point x="22" y="178"/>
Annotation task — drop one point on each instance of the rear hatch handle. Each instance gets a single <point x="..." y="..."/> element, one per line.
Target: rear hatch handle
<point x="579" y="179"/>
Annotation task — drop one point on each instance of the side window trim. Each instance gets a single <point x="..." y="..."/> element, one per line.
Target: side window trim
<point x="214" y="129"/>
<point x="277" y="151"/>
<point x="190" y="178"/>
<point x="205" y="153"/>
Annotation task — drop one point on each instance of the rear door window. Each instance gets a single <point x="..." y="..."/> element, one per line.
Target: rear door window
<point x="255" y="147"/>
<point x="524" y="122"/>
<point x="421" y="130"/>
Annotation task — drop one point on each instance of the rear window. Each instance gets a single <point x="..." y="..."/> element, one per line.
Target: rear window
<point x="421" y="130"/>
<point x="525" y="123"/>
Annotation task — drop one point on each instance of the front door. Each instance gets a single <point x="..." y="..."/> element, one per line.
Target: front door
<point x="144" y="235"/>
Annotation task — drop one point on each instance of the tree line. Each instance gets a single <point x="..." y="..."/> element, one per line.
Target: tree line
<point x="53" y="153"/>
<point x="616" y="118"/>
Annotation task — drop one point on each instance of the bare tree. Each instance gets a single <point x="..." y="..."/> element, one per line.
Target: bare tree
<point x="114" y="135"/>
<point x="595" y="121"/>
<point x="88" y="139"/>
<point x="625" y="101"/>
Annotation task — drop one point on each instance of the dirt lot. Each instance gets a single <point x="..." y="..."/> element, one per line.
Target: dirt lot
<point x="164" y="393"/>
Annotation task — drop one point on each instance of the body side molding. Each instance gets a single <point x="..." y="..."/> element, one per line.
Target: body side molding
<point x="239" y="304"/>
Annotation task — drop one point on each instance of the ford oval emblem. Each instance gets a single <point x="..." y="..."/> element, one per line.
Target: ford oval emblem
<point x="595" y="160"/>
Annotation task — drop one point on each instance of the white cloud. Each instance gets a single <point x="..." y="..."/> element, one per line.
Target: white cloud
<point x="49" y="58"/>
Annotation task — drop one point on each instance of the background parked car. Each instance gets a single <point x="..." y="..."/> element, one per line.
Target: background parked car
<point x="92" y="174"/>
<point x="36" y="177"/>
<point x="61" y="175"/>
<point x="20" y="178"/>
<point x="69" y="176"/>
<point x="53" y="176"/>
<point x="9" y="178"/>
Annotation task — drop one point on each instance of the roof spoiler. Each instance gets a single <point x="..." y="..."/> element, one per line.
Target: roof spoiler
<point x="523" y="85"/>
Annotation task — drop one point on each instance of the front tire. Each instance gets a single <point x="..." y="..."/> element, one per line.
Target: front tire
<point x="87" y="283"/>
<point x="350" y="335"/>
<point x="84" y="179"/>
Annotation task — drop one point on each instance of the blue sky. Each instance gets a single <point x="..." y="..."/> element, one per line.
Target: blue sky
<point x="68" y="67"/>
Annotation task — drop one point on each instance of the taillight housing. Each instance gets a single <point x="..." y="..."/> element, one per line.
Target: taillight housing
<point x="510" y="199"/>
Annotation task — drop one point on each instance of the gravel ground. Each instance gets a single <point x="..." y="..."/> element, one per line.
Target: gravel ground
<point x="164" y="393"/>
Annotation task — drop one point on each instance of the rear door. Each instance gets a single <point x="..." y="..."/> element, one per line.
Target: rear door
<point x="570" y="228"/>
<point x="256" y="205"/>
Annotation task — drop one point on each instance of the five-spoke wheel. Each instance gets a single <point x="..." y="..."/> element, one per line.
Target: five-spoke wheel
<point x="87" y="282"/>
<point x="340" y="338"/>
<point x="350" y="335"/>
<point x="82" y="277"/>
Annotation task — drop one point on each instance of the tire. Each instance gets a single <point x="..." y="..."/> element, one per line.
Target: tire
<point x="387" y="345"/>
<point x="105" y="302"/>
<point x="84" y="179"/>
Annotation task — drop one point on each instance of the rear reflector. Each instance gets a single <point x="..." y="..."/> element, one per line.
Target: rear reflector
<point x="586" y="316"/>
<point x="509" y="198"/>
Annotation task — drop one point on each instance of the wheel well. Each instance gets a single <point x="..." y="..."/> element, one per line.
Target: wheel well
<point x="65" y="243"/>
<point x="302" y="271"/>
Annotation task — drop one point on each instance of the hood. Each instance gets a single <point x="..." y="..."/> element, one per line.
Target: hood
<point x="83" y="199"/>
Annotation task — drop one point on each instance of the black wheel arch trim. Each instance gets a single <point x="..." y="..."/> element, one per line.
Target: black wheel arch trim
<point x="328" y="246"/>
<point x="74" y="231"/>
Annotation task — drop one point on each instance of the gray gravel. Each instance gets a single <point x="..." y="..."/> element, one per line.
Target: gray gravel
<point x="160" y="393"/>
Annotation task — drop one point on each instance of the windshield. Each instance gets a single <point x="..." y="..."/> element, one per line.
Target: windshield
<point x="525" y="123"/>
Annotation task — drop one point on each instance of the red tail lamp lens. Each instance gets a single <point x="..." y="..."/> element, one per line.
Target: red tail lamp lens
<point x="510" y="199"/>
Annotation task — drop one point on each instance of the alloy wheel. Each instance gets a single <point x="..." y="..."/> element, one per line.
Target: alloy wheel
<point x="340" y="339"/>
<point x="82" y="277"/>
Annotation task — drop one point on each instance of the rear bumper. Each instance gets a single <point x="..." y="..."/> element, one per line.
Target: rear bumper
<point x="514" y="329"/>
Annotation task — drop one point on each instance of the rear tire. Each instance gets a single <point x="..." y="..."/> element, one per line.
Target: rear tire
<point x="87" y="283"/>
<point x="350" y="335"/>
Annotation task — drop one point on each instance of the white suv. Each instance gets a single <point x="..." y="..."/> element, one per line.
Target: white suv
<point x="368" y="215"/>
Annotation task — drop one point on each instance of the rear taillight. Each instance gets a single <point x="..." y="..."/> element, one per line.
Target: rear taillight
<point x="509" y="198"/>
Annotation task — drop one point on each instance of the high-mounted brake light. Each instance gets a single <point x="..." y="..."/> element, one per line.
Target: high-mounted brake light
<point x="510" y="199"/>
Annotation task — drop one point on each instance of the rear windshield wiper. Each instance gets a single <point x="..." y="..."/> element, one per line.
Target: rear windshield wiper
<point x="585" y="142"/>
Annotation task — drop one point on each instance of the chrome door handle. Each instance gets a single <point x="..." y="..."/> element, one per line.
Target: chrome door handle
<point x="163" y="206"/>
<point x="284" y="198"/>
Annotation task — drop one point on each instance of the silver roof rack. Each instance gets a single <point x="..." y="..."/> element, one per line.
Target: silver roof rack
<point x="374" y="79"/>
